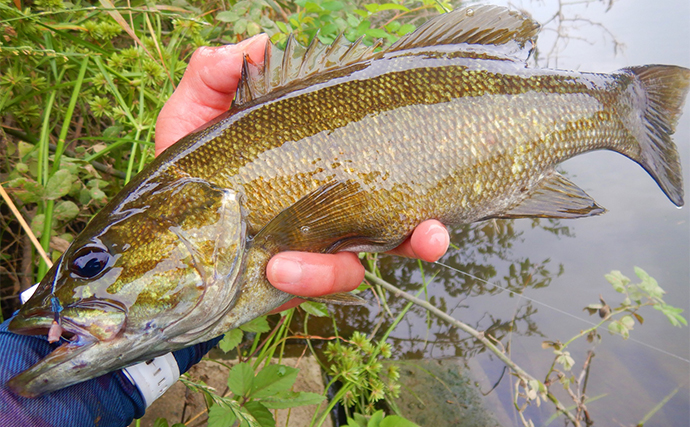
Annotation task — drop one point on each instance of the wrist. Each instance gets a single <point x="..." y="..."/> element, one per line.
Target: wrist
<point x="154" y="377"/>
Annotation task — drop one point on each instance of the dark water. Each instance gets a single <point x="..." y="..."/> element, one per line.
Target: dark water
<point x="559" y="266"/>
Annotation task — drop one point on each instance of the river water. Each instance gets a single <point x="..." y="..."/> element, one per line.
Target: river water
<point x="558" y="267"/>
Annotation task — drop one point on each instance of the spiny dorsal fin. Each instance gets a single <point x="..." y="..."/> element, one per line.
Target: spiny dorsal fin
<point x="493" y="29"/>
<point x="296" y="63"/>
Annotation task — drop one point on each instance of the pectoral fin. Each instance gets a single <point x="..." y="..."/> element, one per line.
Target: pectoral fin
<point x="325" y="220"/>
<point x="554" y="197"/>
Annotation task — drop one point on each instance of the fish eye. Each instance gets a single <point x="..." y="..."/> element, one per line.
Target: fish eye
<point x="88" y="262"/>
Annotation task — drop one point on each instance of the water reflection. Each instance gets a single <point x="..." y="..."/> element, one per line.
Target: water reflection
<point x="481" y="263"/>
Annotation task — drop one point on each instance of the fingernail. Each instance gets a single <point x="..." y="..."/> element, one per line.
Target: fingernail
<point x="438" y="235"/>
<point x="286" y="271"/>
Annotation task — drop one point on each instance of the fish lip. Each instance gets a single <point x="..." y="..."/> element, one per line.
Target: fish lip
<point x="70" y="332"/>
<point x="38" y="320"/>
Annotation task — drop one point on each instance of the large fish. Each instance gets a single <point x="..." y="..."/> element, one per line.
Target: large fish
<point x="332" y="148"/>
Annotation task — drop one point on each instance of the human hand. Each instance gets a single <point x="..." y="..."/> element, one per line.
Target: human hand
<point x="206" y="91"/>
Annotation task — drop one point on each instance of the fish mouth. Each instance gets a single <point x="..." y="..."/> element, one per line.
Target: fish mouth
<point x="45" y="322"/>
<point x="83" y="322"/>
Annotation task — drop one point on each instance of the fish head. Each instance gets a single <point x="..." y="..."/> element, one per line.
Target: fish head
<point x="148" y="275"/>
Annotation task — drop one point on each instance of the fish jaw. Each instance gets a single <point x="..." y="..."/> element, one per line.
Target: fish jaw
<point x="93" y="335"/>
<point x="81" y="359"/>
<point x="64" y="366"/>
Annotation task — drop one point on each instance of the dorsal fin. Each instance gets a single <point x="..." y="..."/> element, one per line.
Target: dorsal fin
<point x="296" y="63"/>
<point x="489" y="28"/>
<point x="476" y="25"/>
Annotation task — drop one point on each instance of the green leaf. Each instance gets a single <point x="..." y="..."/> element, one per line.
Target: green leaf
<point x="332" y="5"/>
<point x="362" y="13"/>
<point x="282" y="27"/>
<point x="231" y="340"/>
<point x="59" y="184"/>
<point x="221" y="416"/>
<point x="65" y="210"/>
<point x="311" y="7"/>
<point x="565" y="360"/>
<point x="397" y="421"/>
<point x="363" y="26"/>
<point x="25" y="148"/>
<point x="375" y="419"/>
<point x="393" y="26"/>
<point x="635" y="294"/>
<point x="96" y="194"/>
<point x="628" y="322"/>
<point x="259" y="325"/>
<point x="360" y="419"/>
<point x="260" y="413"/>
<point x="376" y="33"/>
<point x="33" y="191"/>
<point x="253" y="29"/>
<point x="227" y="16"/>
<point x="160" y="422"/>
<point x="406" y="29"/>
<point x="240" y="26"/>
<point x="112" y="131"/>
<point x="241" y="7"/>
<point x="317" y="309"/>
<point x="617" y="280"/>
<point x="352" y="423"/>
<point x="241" y="378"/>
<point x="617" y="328"/>
<point x="391" y="6"/>
<point x="673" y="314"/>
<point x="649" y="284"/>
<point x="37" y="224"/>
<point x="291" y="399"/>
<point x="273" y="379"/>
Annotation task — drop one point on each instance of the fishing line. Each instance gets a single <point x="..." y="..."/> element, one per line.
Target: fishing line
<point x="660" y="350"/>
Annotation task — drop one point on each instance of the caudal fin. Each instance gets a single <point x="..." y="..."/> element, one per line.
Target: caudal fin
<point x="665" y="87"/>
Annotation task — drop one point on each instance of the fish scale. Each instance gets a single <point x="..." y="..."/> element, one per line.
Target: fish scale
<point x="339" y="148"/>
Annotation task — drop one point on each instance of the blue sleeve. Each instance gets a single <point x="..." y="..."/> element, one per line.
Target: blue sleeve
<point x="107" y="401"/>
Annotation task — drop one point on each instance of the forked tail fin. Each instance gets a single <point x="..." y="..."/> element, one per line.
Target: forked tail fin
<point x="665" y="88"/>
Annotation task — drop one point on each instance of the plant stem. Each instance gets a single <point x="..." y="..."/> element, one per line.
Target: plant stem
<point x="473" y="332"/>
<point x="25" y="226"/>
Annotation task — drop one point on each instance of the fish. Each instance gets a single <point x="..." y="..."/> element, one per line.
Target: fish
<point x="341" y="147"/>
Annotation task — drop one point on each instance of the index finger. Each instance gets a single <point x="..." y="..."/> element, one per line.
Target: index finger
<point x="206" y="89"/>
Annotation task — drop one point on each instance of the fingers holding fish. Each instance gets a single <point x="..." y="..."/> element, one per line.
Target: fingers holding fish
<point x="206" y="89"/>
<point x="311" y="274"/>
<point x="428" y="242"/>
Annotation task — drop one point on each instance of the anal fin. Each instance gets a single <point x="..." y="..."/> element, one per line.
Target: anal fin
<point x="339" y="299"/>
<point x="554" y="197"/>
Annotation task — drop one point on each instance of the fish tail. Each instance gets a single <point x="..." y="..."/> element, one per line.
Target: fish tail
<point x="664" y="88"/>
